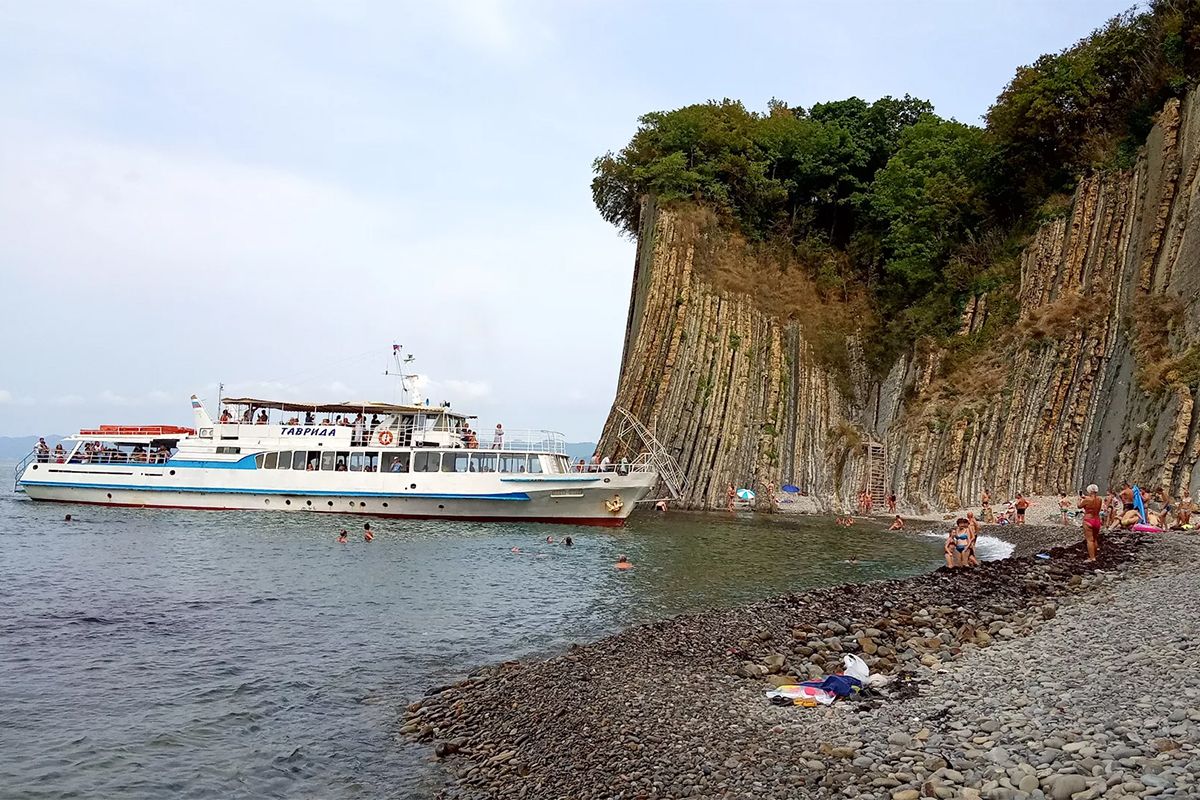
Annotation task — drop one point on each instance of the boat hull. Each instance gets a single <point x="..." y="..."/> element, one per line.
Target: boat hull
<point x="565" y="500"/>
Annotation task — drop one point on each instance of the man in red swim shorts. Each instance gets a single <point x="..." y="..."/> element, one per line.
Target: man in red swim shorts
<point x="1091" y="505"/>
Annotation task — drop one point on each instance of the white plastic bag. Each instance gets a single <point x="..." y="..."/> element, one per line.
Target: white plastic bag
<point x="856" y="668"/>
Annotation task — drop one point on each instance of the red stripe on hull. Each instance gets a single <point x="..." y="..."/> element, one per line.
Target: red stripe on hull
<point x="599" y="522"/>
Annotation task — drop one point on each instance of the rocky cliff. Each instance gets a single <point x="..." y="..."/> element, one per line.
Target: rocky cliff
<point x="1097" y="381"/>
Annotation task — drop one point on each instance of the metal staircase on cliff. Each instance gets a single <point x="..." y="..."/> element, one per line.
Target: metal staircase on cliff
<point x="664" y="463"/>
<point x="875" y="472"/>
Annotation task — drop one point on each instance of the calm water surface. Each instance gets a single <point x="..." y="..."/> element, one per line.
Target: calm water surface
<point x="146" y="654"/>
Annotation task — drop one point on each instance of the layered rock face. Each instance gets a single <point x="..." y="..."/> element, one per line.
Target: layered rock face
<point x="1099" y="384"/>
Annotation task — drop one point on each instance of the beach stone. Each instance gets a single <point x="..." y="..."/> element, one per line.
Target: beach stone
<point x="900" y="739"/>
<point x="1066" y="785"/>
<point x="906" y="794"/>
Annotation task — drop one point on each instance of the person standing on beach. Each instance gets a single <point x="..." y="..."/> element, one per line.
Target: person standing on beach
<point x="973" y="527"/>
<point x="1064" y="507"/>
<point x="1091" y="504"/>
<point x="891" y="501"/>
<point x="1021" y="505"/>
<point x="1184" y="514"/>
<point x="730" y="496"/>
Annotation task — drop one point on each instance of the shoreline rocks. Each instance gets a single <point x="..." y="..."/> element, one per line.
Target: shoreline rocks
<point x="676" y="708"/>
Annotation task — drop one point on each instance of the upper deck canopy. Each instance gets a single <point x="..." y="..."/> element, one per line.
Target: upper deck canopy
<point x="346" y="407"/>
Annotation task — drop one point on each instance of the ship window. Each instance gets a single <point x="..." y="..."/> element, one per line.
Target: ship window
<point x="372" y="462"/>
<point x="395" y="462"/>
<point x="314" y="460"/>
<point x="299" y="459"/>
<point x="229" y="450"/>
<point x="512" y="462"/>
<point x="258" y="460"/>
<point x="535" y="464"/>
<point x="285" y="459"/>
<point x="327" y="462"/>
<point x="426" y="462"/>
<point x="454" y="462"/>
<point x="270" y="462"/>
<point x="342" y="459"/>
<point x="483" y="462"/>
<point x="356" y="461"/>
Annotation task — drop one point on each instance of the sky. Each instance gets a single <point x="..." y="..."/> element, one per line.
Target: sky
<point x="269" y="195"/>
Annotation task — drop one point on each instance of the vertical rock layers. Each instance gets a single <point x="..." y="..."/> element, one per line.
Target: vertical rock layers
<point x="1098" y="381"/>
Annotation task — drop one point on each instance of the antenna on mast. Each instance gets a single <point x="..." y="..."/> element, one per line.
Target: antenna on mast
<point x="407" y="379"/>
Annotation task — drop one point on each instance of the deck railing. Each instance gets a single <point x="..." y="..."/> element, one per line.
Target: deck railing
<point x="519" y="440"/>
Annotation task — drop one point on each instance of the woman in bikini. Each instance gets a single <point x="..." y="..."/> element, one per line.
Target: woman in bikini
<point x="957" y="543"/>
<point x="1091" y="504"/>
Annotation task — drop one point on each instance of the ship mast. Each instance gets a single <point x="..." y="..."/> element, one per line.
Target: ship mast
<point x="408" y="380"/>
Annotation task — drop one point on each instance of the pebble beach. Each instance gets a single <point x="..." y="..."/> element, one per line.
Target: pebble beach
<point x="1028" y="677"/>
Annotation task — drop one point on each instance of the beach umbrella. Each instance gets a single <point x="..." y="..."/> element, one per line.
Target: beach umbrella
<point x="745" y="494"/>
<point x="787" y="487"/>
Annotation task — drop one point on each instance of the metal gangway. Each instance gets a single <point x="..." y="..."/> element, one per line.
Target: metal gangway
<point x="663" y="462"/>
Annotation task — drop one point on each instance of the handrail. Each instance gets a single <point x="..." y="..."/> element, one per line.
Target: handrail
<point x="21" y="467"/>
<point x="664" y="463"/>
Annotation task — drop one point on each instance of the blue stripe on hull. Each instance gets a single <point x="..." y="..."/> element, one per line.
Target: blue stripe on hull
<point x="518" y="496"/>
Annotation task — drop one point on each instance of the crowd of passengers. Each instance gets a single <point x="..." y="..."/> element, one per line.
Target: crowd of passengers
<point x="363" y="429"/>
<point x="100" y="453"/>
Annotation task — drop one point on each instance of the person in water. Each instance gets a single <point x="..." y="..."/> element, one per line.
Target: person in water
<point x="1091" y="503"/>
<point x="342" y="537"/>
<point x="897" y="524"/>
<point x="623" y="562"/>
<point x="661" y="505"/>
<point x="549" y="540"/>
<point x="368" y="535"/>
<point x="568" y="541"/>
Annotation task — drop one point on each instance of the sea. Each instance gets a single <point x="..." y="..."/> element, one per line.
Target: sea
<point x="148" y="654"/>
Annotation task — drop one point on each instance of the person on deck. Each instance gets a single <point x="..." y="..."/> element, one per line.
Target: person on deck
<point x="1091" y="504"/>
<point x="498" y="437"/>
<point x="42" y="449"/>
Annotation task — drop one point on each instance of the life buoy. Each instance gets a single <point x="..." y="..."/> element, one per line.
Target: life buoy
<point x="615" y="504"/>
<point x="386" y="438"/>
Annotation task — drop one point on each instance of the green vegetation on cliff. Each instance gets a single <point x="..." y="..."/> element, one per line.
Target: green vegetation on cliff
<point x="916" y="211"/>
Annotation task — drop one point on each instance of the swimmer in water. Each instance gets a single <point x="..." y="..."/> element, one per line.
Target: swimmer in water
<point x="67" y="518"/>
<point x="852" y="560"/>
<point x="568" y="541"/>
<point x="342" y="537"/>
<point x="517" y="550"/>
<point x="549" y="540"/>
<point x="367" y="534"/>
<point x="661" y="505"/>
<point x="623" y="562"/>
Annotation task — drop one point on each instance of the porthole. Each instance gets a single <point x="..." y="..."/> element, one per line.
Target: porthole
<point x="413" y="486"/>
<point x="440" y="505"/>
<point x="267" y="501"/>
<point x="110" y="495"/>
<point x="362" y="505"/>
<point x="287" y="502"/>
<point x="351" y="504"/>
<point x="606" y="480"/>
<point x="331" y="504"/>
<point x="309" y="502"/>
<point x="35" y="466"/>
<point x="385" y="505"/>
<point x="172" y="472"/>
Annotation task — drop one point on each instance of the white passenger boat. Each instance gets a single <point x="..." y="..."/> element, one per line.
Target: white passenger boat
<point x="383" y="459"/>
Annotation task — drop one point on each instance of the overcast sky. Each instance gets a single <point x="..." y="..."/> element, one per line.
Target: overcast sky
<point x="270" y="194"/>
